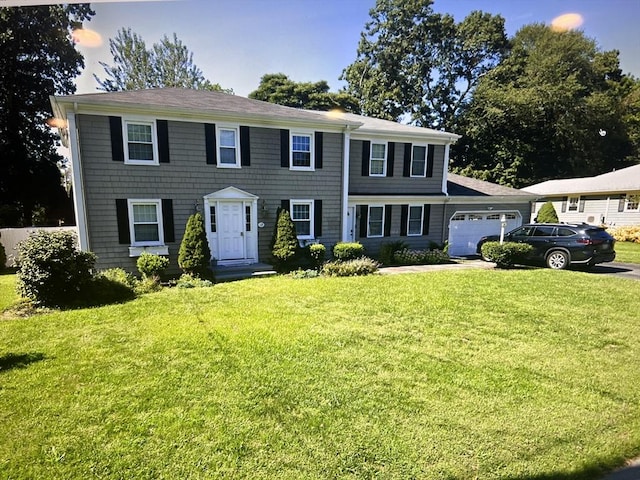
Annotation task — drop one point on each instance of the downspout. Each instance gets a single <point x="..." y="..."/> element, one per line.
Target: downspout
<point x="79" y="202"/>
<point x="345" y="183"/>
<point x="445" y="168"/>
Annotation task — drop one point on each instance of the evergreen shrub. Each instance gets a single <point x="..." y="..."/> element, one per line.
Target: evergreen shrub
<point x="547" y="214"/>
<point x="194" y="256"/>
<point x="388" y="250"/>
<point x="151" y="266"/>
<point x="507" y="254"/>
<point x="345" y="251"/>
<point x="318" y="253"/>
<point x="285" y="243"/>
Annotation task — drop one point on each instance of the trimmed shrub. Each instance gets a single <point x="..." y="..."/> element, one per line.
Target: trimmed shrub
<point x="507" y="254"/>
<point x="318" y="253"/>
<point x="285" y="245"/>
<point x="626" y="234"/>
<point x="547" y="214"/>
<point x="194" y="256"/>
<point x="51" y="270"/>
<point x="192" y="281"/>
<point x="151" y="265"/>
<point x="345" y="251"/>
<point x="304" y="274"/>
<point x="420" y="257"/>
<point x="350" y="268"/>
<point x="389" y="249"/>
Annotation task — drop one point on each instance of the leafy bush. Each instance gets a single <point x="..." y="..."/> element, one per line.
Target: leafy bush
<point x="118" y="275"/>
<point x="420" y="257"/>
<point x="626" y="234"/>
<point x="345" y="251"/>
<point x="147" y="285"/>
<point x="388" y="250"/>
<point x="318" y="253"/>
<point x="285" y="244"/>
<point x="191" y="281"/>
<point x="507" y="254"/>
<point x="51" y="270"/>
<point x="304" y="274"/>
<point x="547" y="214"/>
<point x="350" y="268"/>
<point x="194" y="255"/>
<point x="111" y="286"/>
<point x="151" y="265"/>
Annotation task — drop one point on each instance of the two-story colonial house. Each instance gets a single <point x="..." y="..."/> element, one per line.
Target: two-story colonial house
<point x="144" y="161"/>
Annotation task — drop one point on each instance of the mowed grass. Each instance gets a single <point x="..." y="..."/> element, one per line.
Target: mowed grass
<point x="627" y="252"/>
<point x="527" y="374"/>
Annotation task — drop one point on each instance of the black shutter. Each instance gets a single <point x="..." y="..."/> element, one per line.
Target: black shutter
<point x="364" y="220"/>
<point x="245" y="147"/>
<point x="318" y="149"/>
<point x="430" y="154"/>
<point x="285" y="205"/>
<point x="317" y="218"/>
<point x="581" y="207"/>
<point x="167" y="221"/>
<point x="122" y="216"/>
<point x="406" y="169"/>
<point x="366" y="156"/>
<point x="404" y="218"/>
<point x="564" y="205"/>
<point x="621" y="202"/>
<point x="426" y="215"/>
<point x="391" y="156"/>
<point x="387" y="220"/>
<point x="210" y="143"/>
<point x="284" y="148"/>
<point x="162" y="127"/>
<point x="117" y="145"/>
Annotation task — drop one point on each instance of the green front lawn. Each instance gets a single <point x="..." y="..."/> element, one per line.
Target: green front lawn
<point x="627" y="252"/>
<point x="528" y="374"/>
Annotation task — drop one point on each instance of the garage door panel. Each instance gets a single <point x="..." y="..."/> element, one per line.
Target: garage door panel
<point x="465" y="229"/>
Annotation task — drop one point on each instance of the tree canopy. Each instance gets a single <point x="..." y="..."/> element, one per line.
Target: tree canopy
<point x="38" y="60"/>
<point x="413" y="62"/>
<point x="168" y="63"/>
<point x="553" y="108"/>
<point x="279" y="88"/>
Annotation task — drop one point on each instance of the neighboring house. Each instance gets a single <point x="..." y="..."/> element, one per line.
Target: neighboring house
<point x="143" y="161"/>
<point x="611" y="198"/>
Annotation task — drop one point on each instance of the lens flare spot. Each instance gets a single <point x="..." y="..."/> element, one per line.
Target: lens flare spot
<point x="57" y="123"/>
<point x="566" y="22"/>
<point x="86" y="37"/>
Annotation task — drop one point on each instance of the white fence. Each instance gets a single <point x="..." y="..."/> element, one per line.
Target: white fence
<point x="10" y="237"/>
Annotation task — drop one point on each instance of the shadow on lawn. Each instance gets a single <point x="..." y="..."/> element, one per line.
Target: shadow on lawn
<point x="631" y="472"/>
<point x="19" y="360"/>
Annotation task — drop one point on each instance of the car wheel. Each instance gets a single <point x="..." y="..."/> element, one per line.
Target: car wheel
<point x="558" y="260"/>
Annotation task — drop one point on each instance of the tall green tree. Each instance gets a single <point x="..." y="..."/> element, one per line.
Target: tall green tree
<point x="413" y="62"/>
<point x="38" y="59"/>
<point x="168" y="63"/>
<point x="279" y="88"/>
<point x="551" y="109"/>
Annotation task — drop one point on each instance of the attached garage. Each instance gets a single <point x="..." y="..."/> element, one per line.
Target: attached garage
<point x="466" y="228"/>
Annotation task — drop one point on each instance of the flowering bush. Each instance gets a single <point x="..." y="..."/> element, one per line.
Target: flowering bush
<point x="626" y="234"/>
<point x="350" y="268"/>
<point x="420" y="257"/>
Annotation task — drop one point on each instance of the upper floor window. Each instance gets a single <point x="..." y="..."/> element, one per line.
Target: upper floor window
<point x="378" y="160"/>
<point x="414" y="222"/>
<point x="302" y="215"/>
<point x="632" y="202"/>
<point x="419" y="161"/>
<point x="228" y="154"/>
<point x="140" y="142"/>
<point x="145" y="222"/>
<point x="375" y="227"/>
<point x="301" y="151"/>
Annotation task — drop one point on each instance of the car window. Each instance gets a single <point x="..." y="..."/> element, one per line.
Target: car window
<point x="543" y="231"/>
<point x="521" y="232"/>
<point x="565" y="232"/>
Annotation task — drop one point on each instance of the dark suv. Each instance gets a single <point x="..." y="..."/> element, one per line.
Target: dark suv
<point x="559" y="245"/>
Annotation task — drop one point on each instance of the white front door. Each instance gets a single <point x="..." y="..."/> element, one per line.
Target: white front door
<point x="231" y="226"/>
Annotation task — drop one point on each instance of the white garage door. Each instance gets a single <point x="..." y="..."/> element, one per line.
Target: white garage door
<point x="466" y="228"/>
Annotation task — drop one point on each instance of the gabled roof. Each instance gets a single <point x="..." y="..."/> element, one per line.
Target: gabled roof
<point x="623" y="180"/>
<point x="459" y="186"/>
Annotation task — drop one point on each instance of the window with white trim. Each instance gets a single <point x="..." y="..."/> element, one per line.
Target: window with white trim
<point x="301" y="151"/>
<point x="414" y="220"/>
<point x="573" y="204"/>
<point x="419" y="161"/>
<point x="141" y="146"/>
<point x="228" y="151"/>
<point x="378" y="160"/>
<point x="375" y="227"/>
<point x="212" y="218"/>
<point x="145" y="222"/>
<point x="632" y="202"/>
<point x="302" y="216"/>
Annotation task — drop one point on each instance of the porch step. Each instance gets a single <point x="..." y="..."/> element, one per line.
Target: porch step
<point x="228" y="273"/>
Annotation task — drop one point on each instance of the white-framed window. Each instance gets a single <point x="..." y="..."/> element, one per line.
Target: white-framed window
<point x="212" y="219"/>
<point x="414" y="220"/>
<point x="140" y="142"/>
<point x="632" y="202"/>
<point x="419" y="161"/>
<point x="145" y="222"/>
<point x="302" y="216"/>
<point x="228" y="146"/>
<point x="375" y="226"/>
<point x="572" y="204"/>
<point x="378" y="160"/>
<point x="301" y="155"/>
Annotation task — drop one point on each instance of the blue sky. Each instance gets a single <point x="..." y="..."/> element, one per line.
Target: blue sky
<point x="235" y="42"/>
